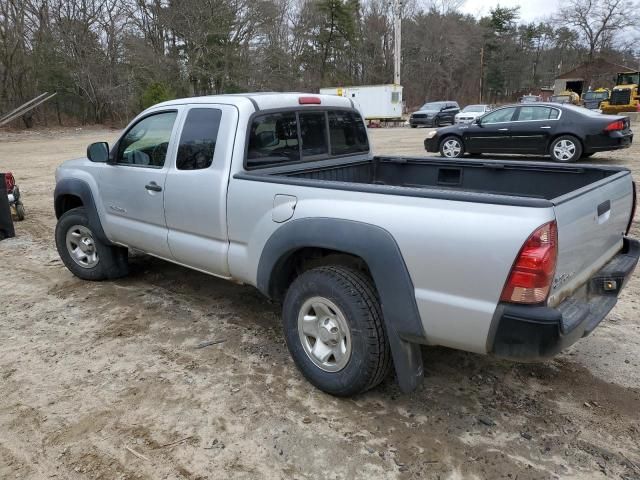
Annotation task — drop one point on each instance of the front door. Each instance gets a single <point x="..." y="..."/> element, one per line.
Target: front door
<point x="132" y="189"/>
<point x="533" y="128"/>
<point x="492" y="134"/>
<point x="196" y="189"/>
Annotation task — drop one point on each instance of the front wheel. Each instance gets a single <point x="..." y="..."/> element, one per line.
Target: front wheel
<point x="565" y="149"/>
<point x="333" y="328"/>
<point x="451" y="147"/>
<point x="83" y="253"/>
<point x="20" y="212"/>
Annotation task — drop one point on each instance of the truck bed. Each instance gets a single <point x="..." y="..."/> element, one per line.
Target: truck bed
<point x="533" y="180"/>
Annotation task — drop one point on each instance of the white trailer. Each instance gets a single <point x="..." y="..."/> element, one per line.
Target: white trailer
<point x="375" y="102"/>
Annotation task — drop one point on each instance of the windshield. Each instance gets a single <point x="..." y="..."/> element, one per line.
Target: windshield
<point x="582" y="110"/>
<point x="595" y="96"/>
<point x="628" y="78"/>
<point x="474" y="108"/>
<point x="432" y="107"/>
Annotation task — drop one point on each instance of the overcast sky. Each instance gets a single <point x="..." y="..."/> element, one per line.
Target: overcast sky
<point x="530" y="10"/>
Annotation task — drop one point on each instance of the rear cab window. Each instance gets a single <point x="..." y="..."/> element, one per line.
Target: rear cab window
<point x="304" y="135"/>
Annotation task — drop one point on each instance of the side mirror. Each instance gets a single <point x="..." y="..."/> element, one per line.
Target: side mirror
<point x="98" y="152"/>
<point x="478" y="121"/>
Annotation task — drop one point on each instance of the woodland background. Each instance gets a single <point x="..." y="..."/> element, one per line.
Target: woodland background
<point x="108" y="59"/>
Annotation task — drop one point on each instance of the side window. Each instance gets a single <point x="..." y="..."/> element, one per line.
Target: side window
<point x="146" y="143"/>
<point x="555" y="114"/>
<point x="313" y="132"/>
<point x="198" y="139"/>
<point x="535" y="113"/>
<point x="502" y="115"/>
<point x="348" y="133"/>
<point x="273" y="139"/>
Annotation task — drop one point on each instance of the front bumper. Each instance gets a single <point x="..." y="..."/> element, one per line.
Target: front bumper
<point x="425" y="122"/>
<point x="432" y="144"/>
<point x="529" y="333"/>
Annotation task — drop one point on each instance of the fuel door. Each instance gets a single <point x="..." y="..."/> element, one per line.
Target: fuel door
<point x="283" y="207"/>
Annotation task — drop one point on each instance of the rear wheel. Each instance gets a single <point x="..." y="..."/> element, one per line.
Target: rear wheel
<point x="333" y="329"/>
<point x="451" y="147"/>
<point x="20" y="213"/>
<point x="565" y="149"/>
<point x="83" y="253"/>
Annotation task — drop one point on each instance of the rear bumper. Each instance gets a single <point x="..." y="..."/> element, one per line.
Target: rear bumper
<point x="614" y="141"/>
<point x="529" y="333"/>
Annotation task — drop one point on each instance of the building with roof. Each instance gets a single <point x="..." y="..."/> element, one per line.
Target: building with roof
<point x="595" y="74"/>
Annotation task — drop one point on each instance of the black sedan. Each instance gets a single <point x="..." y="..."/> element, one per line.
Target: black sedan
<point x="565" y="132"/>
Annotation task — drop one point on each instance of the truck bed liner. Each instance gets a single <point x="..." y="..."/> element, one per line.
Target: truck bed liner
<point x="529" y="181"/>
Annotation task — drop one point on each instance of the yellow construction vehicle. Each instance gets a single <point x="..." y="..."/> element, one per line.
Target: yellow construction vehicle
<point x="624" y="96"/>
<point x="566" y="96"/>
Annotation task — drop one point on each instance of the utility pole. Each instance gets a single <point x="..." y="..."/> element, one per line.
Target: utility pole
<point x="481" y="71"/>
<point x="397" y="40"/>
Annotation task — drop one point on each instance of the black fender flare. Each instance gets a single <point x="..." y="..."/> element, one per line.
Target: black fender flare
<point x="82" y="190"/>
<point x="377" y="247"/>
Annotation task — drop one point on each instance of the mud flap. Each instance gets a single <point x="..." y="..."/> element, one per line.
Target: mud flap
<point x="407" y="361"/>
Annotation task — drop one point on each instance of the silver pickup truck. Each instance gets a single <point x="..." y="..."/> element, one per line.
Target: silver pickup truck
<point x="370" y="256"/>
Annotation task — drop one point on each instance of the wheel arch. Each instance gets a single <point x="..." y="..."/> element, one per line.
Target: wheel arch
<point x="371" y="248"/>
<point x="565" y="134"/>
<point x="72" y="193"/>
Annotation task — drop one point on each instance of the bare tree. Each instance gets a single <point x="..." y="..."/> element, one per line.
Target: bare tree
<point x="598" y="21"/>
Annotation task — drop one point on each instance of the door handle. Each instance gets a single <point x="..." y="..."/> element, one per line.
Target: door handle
<point x="153" y="187"/>
<point x="503" y="129"/>
<point x="546" y="127"/>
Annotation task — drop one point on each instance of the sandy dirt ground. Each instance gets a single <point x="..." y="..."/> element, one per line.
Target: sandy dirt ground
<point x="105" y="380"/>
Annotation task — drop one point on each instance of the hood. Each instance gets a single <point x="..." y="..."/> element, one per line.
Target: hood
<point x="70" y="165"/>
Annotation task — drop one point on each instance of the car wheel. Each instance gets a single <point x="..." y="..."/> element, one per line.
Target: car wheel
<point x="83" y="253"/>
<point x="333" y="328"/>
<point x="565" y="149"/>
<point x="451" y="147"/>
<point x="20" y="212"/>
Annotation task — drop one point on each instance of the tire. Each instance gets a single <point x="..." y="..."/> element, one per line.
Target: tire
<point x="20" y="213"/>
<point x="94" y="260"/>
<point x="414" y="126"/>
<point x="565" y="149"/>
<point x="448" y="150"/>
<point x="349" y="304"/>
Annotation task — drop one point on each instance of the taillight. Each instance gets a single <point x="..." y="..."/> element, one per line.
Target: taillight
<point x="634" y="204"/>
<point x="615" y="126"/>
<point x="9" y="181"/>
<point x="533" y="270"/>
<point x="309" y="100"/>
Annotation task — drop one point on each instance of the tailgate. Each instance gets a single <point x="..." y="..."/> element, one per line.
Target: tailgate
<point x="591" y="224"/>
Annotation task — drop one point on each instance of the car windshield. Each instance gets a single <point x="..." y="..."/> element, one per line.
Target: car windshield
<point x="581" y="110"/>
<point x="432" y="107"/>
<point x="595" y="95"/>
<point x="474" y="108"/>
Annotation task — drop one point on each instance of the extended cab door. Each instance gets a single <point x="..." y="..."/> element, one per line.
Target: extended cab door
<point x="196" y="188"/>
<point x="533" y="127"/>
<point x="131" y="189"/>
<point x="492" y="134"/>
